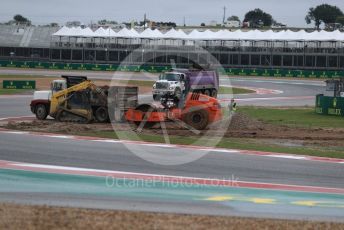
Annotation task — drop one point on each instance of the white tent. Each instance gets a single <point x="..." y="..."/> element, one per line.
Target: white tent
<point x="149" y="33"/>
<point x="195" y="35"/>
<point x="171" y="34"/>
<point x="228" y="35"/>
<point x="338" y="35"/>
<point x="64" y="31"/>
<point x="87" y="32"/>
<point x="208" y="35"/>
<point x="326" y="36"/>
<point x="76" y="32"/>
<point x="110" y="32"/>
<point x="100" y="32"/>
<point x="125" y="33"/>
<point x="252" y="35"/>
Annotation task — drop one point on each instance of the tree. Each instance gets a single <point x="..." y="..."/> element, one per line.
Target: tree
<point x="166" y="24"/>
<point x="202" y="24"/>
<point x="323" y="14"/>
<point x="105" y="22"/>
<point x="257" y="16"/>
<point x="233" y="18"/>
<point x="19" y="19"/>
<point x="340" y="20"/>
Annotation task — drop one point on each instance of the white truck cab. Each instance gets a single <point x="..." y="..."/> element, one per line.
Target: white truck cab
<point x="42" y="95"/>
<point x="56" y="86"/>
<point x="40" y="105"/>
<point x="169" y="84"/>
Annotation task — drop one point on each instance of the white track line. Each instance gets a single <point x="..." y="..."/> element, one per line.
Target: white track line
<point x="9" y="118"/>
<point x="289" y="157"/>
<point x="274" y="98"/>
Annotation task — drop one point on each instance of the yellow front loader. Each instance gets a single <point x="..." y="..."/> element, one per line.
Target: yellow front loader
<point x="82" y="102"/>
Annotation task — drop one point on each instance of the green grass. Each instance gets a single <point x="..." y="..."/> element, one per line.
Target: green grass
<point x="297" y="117"/>
<point x="137" y="83"/>
<point x="12" y="91"/>
<point x="229" y="90"/>
<point x="230" y="143"/>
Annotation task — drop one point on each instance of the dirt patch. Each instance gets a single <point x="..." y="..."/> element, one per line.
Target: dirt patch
<point x="13" y="216"/>
<point x="241" y="126"/>
<point x="244" y="126"/>
<point x="60" y="127"/>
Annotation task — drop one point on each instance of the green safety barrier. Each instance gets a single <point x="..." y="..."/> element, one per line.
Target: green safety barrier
<point x="16" y="84"/>
<point x="283" y="73"/>
<point x="329" y="105"/>
<point x="158" y="69"/>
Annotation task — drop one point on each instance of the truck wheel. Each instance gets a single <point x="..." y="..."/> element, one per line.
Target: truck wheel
<point x="156" y="97"/>
<point x="197" y="119"/>
<point x="41" y="112"/>
<point x="207" y="92"/>
<point x="178" y="93"/>
<point x="102" y="115"/>
<point x="214" y="93"/>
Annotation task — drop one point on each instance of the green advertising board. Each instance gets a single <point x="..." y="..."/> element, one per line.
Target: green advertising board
<point x="16" y="84"/>
<point x="329" y="105"/>
<point x="261" y="72"/>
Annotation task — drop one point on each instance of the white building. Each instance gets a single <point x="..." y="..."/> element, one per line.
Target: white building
<point x="232" y="24"/>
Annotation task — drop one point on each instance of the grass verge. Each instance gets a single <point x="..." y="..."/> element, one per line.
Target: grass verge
<point x="297" y="117"/>
<point x="229" y="143"/>
<point x="228" y="90"/>
<point x="136" y="83"/>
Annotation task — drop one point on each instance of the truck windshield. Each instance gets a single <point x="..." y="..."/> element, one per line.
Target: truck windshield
<point x="169" y="77"/>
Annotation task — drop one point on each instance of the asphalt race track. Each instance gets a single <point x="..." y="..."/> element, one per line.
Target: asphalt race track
<point x="292" y="92"/>
<point x="75" y="172"/>
<point x="82" y="155"/>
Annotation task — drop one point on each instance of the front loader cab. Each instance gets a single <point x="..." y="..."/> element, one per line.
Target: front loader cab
<point x="67" y="82"/>
<point x="75" y="107"/>
<point x="57" y="86"/>
<point x="73" y="80"/>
